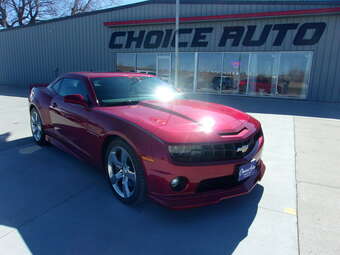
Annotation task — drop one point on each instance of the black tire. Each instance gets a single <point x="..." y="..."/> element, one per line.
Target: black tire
<point x="139" y="192"/>
<point x="35" y="117"/>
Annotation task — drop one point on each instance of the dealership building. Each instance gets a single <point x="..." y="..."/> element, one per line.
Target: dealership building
<point x="279" y="49"/>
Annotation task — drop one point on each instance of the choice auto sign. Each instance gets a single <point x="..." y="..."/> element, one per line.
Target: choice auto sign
<point x="233" y="36"/>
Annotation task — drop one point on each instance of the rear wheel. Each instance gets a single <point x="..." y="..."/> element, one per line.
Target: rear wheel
<point x="37" y="127"/>
<point x="125" y="173"/>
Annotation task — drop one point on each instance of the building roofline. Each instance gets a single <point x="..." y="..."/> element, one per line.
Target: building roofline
<point x="255" y="2"/>
<point x="304" y="12"/>
<point x="146" y="2"/>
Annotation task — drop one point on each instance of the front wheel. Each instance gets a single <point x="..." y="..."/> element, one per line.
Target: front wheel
<point x="37" y="127"/>
<point x="125" y="173"/>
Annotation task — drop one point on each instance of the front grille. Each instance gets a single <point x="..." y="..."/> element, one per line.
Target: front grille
<point x="218" y="152"/>
<point x="223" y="183"/>
<point x="220" y="183"/>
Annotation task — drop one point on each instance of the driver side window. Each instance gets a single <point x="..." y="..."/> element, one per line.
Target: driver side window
<point x="72" y="87"/>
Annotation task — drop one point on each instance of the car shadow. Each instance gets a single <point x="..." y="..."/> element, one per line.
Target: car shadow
<point x="5" y="144"/>
<point x="55" y="204"/>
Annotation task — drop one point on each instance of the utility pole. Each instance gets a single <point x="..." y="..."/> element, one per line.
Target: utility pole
<point x="177" y="43"/>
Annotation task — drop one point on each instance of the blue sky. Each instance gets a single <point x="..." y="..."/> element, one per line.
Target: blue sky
<point x="103" y="4"/>
<point x="123" y="2"/>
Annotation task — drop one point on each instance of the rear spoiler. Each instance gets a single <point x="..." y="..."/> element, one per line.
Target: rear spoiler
<point x="37" y="85"/>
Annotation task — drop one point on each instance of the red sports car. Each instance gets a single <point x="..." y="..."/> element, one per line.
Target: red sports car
<point x="148" y="139"/>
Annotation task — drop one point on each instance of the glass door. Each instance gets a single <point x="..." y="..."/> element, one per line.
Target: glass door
<point x="263" y="74"/>
<point x="164" y="67"/>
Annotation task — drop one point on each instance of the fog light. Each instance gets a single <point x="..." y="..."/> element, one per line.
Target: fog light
<point x="178" y="183"/>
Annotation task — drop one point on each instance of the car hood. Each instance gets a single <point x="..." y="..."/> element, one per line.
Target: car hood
<point x="187" y="121"/>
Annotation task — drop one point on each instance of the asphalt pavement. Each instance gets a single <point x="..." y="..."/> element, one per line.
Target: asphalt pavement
<point x="52" y="203"/>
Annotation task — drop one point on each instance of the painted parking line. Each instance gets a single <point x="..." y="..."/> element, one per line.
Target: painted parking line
<point x="291" y="211"/>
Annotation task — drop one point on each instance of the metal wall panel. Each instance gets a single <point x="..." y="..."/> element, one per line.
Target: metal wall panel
<point x="35" y="54"/>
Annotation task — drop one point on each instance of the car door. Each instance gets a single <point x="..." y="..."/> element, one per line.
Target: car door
<point x="70" y="121"/>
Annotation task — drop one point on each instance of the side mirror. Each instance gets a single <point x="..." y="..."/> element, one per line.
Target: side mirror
<point x="75" y="99"/>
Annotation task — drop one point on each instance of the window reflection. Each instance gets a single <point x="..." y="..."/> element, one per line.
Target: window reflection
<point x="126" y="62"/>
<point x="258" y="73"/>
<point x="146" y="63"/>
<point x="164" y="67"/>
<point x="293" y="74"/>
<point x="235" y="73"/>
<point x="186" y="71"/>
<point x="262" y="81"/>
<point x="209" y="72"/>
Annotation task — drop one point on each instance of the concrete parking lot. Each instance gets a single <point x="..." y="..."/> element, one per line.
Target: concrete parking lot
<point x="51" y="203"/>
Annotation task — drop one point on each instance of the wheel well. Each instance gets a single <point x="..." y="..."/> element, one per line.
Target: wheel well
<point x="106" y="143"/>
<point x="31" y="107"/>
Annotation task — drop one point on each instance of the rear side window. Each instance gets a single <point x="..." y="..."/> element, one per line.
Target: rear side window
<point x="72" y="87"/>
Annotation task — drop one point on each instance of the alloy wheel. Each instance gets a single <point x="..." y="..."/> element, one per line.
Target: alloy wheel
<point x="122" y="172"/>
<point x="36" y="125"/>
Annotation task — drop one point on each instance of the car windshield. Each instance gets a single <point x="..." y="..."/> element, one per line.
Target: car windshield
<point x="118" y="90"/>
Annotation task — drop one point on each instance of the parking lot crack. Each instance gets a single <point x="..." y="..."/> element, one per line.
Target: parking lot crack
<point x="319" y="184"/>
<point x="296" y="187"/>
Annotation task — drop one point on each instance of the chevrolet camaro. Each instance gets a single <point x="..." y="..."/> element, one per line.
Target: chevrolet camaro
<point x="149" y="140"/>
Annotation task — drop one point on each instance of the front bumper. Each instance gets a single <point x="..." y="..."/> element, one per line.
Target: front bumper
<point x="161" y="172"/>
<point x="210" y="197"/>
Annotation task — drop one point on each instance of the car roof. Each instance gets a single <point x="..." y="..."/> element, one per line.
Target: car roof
<point x="108" y="74"/>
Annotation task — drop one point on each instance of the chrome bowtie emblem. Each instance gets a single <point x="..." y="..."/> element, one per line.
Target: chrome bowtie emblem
<point x="243" y="148"/>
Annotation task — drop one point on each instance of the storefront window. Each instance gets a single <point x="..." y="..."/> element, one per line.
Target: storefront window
<point x="257" y="74"/>
<point x="235" y="73"/>
<point x="262" y="81"/>
<point x="209" y="72"/>
<point x="126" y="62"/>
<point x="186" y="71"/>
<point x="294" y="73"/>
<point x="146" y="63"/>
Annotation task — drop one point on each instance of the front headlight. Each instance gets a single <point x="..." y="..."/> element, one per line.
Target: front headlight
<point x="191" y="152"/>
<point x="180" y="150"/>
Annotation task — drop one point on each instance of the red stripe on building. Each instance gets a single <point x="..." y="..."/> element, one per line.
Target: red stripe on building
<point x="225" y="17"/>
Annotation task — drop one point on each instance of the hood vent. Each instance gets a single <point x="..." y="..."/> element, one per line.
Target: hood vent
<point x="232" y="133"/>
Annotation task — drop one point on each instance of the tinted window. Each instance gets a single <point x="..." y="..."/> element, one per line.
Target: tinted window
<point x="123" y="89"/>
<point x="72" y="87"/>
<point x="56" y="86"/>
